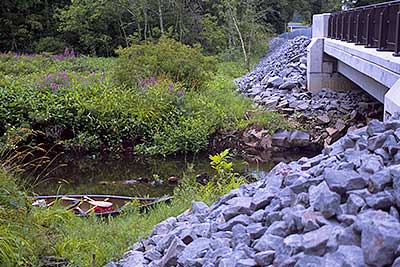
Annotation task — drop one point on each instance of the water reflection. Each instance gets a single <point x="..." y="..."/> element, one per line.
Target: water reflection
<point x="134" y="177"/>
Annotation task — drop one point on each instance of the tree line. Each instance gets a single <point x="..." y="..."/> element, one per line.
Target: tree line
<point x="98" y="27"/>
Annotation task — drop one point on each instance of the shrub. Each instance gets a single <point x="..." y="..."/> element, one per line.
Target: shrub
<point x="50" y="44"/>
<point x="167" y="58"/>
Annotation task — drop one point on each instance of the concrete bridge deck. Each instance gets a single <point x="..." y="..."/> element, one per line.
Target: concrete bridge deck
<point x="330" y="60"/>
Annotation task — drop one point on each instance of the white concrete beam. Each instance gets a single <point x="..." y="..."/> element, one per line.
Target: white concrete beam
<point x="380" y="74"/>
<point x="384" y="59"/>
<point x="374" y="88"/>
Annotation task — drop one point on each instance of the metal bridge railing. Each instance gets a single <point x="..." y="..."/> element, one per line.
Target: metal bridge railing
<point x="375" y="26"/>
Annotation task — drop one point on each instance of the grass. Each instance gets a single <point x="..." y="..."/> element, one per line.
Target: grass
<point x="27" y="232"/>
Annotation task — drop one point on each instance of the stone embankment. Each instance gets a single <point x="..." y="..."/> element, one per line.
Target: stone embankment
<point x="340" y="208"/>
<point x="278" y="83"/>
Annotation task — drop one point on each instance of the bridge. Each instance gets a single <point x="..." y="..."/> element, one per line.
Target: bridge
<point x="358" y="46"/>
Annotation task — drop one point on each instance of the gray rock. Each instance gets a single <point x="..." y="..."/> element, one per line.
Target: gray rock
<point x="172" y="253"/>
<point x="152" y="255"/>
<point x="293" y="244"/>
<point x="275" y="81"/>
<point x="396" y="263"/>
<point x="163" y="227"/>
<point x="201" y="229"/>
<point x="379" y="181"/>
<point x="237" y="206"/>
<point x="375" y="127"/>
<point x="241" y="239"/>
<point x="381" y="200"/>
<point x="194" y="250"/>
<point x="309" y="220"/>
<point x="133" y="258"/>
<point x="380" y="237"/>
<point x="315" y="241"/>
<point x="278" y="228"/>
<point x="303" y="260"/>
<point x="281" y="138"/>
<point x="227" y="262"/>
<point x="256" y="230"/>
<point x="199" y="208"/>
<point x="240" y="219"/>
<point x="324" y="200"/>
<point x="261" y="199"/>
<point x="288" y="85"/>
<point x="246" y="263"/>
<point x="265" y="258"/>
<point x="371" y="164"/>
<point x="349" y="236"/>
<point x="354" y="204"/>
<point x="299" y="139"/>
<point x="351" y="256"/>
<point x="341" y="181"/>
<point x="268" y="242"/>
<point x="376" y="142"/>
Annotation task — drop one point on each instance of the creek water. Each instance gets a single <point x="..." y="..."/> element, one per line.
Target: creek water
<point x="133" y="177"/>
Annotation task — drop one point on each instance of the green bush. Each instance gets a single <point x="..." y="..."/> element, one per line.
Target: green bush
<point x="50" y="45"/>
<point x="167" y="58"/>
<point x="76" y="103"/>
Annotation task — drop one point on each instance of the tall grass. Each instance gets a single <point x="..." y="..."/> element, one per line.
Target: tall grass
<point x="27" y="232"/>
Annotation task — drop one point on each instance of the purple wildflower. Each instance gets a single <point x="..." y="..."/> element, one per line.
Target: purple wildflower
<point x="55" y="81"/>
<point x="145" y="83"/>
<point x="171" y="87"/>
<point x="180" y="93"/>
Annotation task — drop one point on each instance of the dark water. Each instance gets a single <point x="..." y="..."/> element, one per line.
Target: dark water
<point x="124" y="176"/>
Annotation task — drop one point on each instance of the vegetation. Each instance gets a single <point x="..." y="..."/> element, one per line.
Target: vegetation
<point x="170" y="90"/>
<point x="98" y="27"/>
<point x="165" y="101"/>
<point x="29" y="232"/>
<point x="166" y="58"/>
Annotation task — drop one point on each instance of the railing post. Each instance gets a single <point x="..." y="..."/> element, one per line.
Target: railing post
<point x="337" y="27"/>
<point x="330" y="27"/>
<point x="397" y="45"/>
<point x="368" y="27"/>
<point x="358" y="30"/>
<point x="382" y="34"/>
<point x="343" y="16"/>
<point x="349" y="27"/>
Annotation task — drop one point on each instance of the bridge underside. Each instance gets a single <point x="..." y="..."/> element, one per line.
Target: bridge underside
<point x="330" y="60"/>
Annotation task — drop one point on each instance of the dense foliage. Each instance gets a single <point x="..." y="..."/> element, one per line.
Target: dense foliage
<point x="76" y="103"/>
<point x="166" y="58"/>
<point x="100" y="26"/>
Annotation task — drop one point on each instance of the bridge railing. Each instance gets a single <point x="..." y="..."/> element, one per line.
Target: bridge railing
<point x="375" y="26"/>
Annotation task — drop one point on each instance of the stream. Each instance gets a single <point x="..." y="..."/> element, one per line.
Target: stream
<point x="132" y="176"/>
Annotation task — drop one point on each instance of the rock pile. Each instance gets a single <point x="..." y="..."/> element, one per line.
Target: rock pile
<point x="284" y="68"/>
<point x="340" y="208"/>
<point x="278" y="83"/>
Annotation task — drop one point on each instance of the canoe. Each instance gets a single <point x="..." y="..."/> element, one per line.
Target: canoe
<point x="99" y="205"/>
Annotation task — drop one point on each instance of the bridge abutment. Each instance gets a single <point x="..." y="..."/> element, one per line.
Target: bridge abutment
<point x="322" y="69"/>
<point x="341" y="65"/>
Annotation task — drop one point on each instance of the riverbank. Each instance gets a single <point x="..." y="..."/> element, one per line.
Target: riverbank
<point x="338" y="208"/>
<point x="83" y="105"/>
<point x="36" y="236"/>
